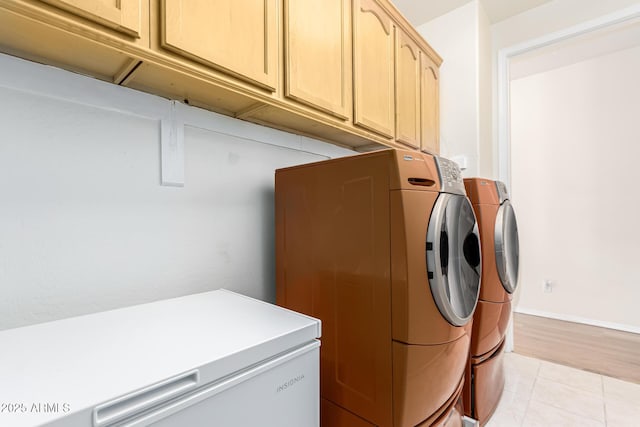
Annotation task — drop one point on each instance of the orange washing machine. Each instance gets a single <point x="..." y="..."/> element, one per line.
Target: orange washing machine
<point x="499" y="238"/>
<point x="383" y="248"/>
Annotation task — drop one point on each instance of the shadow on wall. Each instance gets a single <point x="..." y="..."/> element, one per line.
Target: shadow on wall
<point x="269" y="243"/>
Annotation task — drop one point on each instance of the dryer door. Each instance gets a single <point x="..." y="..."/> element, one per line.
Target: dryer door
<point x="453" y="258"/>
<point x="506" y="244"/>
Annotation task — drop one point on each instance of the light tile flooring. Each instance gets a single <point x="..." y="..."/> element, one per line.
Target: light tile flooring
<point x="540" y="393"/>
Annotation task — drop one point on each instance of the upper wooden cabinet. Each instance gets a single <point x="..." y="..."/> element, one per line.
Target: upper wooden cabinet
<point x="430" y="105"/>
<point x="237" y="36"/>
<point x="407" y="90"/>
<point x="373" y="46"/>
<point x="317" y="36"/>
<point x="350" y="72"/>
<point x="121" y="15"/>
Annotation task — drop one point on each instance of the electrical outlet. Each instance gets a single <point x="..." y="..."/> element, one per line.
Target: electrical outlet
<point x="547" y="286"/>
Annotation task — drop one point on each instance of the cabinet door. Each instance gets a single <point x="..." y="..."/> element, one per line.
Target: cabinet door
<point x="121" y="15"/>
<point x="430" y="106"/>
<point x="407" y="90"/>
<point x="373" y="68"/>
<point x="318" y="54"/>
<point x="237" y="36"/>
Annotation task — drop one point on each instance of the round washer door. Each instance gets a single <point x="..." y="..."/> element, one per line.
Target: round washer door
<point x="453" y="258"/>
<point x="507" y="248"/>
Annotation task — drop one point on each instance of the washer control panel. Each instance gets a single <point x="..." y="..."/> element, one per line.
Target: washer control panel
<point x="450" y="176"/>
<point x="503" y="194"/>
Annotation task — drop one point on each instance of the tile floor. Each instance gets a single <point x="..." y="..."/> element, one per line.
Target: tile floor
<point x="543" y="394"/>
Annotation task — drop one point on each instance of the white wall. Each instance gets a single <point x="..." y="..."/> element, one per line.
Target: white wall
<point x="575" y="150"/>
<point x="462" y="38"/>
<point x="86" y="226"/>
<point x="485" y="91"/>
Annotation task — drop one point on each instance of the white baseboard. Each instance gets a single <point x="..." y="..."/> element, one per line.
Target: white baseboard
<point x="578" y="319"/>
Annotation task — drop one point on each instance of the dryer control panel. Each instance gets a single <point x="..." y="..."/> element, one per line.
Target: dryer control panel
<point x="450" y="176"/>
<point x="503" y="194"/>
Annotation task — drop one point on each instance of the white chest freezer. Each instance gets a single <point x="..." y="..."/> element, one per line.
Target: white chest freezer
<point x="212" y="359"/>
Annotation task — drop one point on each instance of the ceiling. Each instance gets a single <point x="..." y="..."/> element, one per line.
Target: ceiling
<point x="420" y="11"/>
<point x="607" y="40"/>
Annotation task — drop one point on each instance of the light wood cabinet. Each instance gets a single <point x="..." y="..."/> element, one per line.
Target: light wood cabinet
<point x="373" y="46"/>
<point x="407" y="90"/>
<point x="238" y="36"/>
<point x="121" y="15"/>
<point x="318" y="54"/>
<point x="350" y="72"/>
<point x="429" y="105"/>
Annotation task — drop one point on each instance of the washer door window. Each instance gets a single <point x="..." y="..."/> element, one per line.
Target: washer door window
<point x="506" y="244"/>
<point x="453" y="258"/>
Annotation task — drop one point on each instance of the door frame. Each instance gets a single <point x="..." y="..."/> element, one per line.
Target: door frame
<point x="503" y="146"/>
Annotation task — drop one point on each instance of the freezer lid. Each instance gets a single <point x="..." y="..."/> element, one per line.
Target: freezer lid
<point x="65" y="368"/>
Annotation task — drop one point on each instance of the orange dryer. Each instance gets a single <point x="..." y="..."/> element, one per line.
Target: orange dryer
<point x="499" y="239"/>
<point x="383" y="248"/>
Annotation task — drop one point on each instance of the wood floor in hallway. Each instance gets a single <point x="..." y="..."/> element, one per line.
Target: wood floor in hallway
<point x="591" y="348"/>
